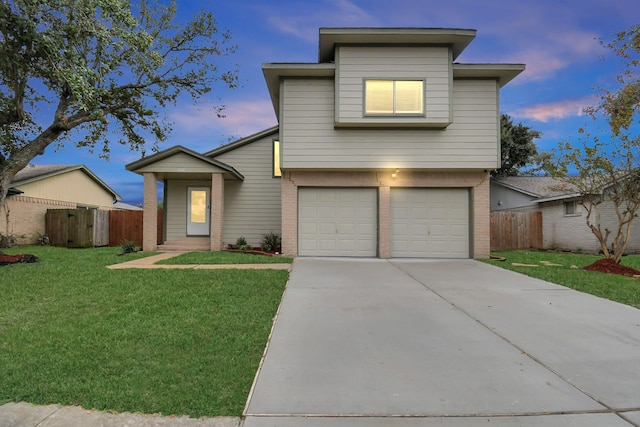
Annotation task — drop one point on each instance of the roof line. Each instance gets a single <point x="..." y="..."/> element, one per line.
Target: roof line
<point x="179" y="148"/>
<point x="242" y="142"/>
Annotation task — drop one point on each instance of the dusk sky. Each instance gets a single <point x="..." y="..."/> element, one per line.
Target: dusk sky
<point x="556" y="39"/>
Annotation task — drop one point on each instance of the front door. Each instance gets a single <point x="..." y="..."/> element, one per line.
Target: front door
<point x="198" y="211"/>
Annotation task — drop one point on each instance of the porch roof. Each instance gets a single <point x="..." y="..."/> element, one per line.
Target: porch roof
<point x="183" y="163"/>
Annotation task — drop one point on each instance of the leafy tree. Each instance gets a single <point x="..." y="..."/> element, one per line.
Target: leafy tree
<point x="606" y="173"/>
<point x="609" y="171"/>
<point x="622" y="105"/>
<point x="517" y="146"/>
<point x="79" y="68"/>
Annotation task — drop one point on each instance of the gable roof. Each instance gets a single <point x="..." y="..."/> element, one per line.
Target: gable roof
<point x="541" y="187"/>
<point x="242" y="142"/>
<point x="135" y="166"/>
<point x="34" y="173"/>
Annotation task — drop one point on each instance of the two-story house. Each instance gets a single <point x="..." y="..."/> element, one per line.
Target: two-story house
<point x="383" y="149"/>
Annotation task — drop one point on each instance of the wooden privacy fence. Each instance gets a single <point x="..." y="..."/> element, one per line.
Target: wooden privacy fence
<point x="77" y="228"/>
<point x="127" y="225"/>
<point x="516" y="230"/>
<point x="85" y="228"/>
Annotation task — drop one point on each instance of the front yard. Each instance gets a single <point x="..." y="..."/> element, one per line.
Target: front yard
<point x="614" y="287"/>
<point x="151" y="341"/>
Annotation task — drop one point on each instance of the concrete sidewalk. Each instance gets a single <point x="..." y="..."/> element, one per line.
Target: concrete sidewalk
<point x="444" y="343"/>
<point x="150" y="262"/>
<point x="27" y="415"/>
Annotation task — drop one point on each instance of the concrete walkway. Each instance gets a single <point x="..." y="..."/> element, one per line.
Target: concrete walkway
<point x="27" y="415"/>
<point x="150" y="262"/>
<point x="444" y="343"/>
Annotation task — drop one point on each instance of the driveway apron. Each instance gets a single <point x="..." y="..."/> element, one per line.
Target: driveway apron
<point x="443" y="343"/>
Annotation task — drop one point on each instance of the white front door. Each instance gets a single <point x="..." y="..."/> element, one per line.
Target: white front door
<point x="198" y="211"/>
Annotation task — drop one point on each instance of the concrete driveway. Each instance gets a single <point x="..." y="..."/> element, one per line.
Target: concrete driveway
<point x="444" y="343"/>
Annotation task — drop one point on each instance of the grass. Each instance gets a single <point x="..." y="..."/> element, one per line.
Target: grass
<point x="610" y="286"/>
<point x="224" y="257"/>
<point x="151" y="341"/>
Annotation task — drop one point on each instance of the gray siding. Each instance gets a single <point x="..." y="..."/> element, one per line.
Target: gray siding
<point x="252" y="207"/>
<point x="309" y="139"/>
<point x="503" y="198"/>
<point x="355" y="64"/>
<point x="176" y="206"/>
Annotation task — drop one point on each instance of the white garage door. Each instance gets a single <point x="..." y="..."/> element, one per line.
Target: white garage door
<point x="430" y="222"/>
<point x="337" y="222"/>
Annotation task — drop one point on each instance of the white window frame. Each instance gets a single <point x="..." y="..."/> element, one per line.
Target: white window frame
<point x="394" y="112"/>
<point x="574" y="207"/>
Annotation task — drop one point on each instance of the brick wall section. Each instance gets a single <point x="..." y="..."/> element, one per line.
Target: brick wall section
<point x="384" y="222"/>
<point x="150" y="214"/>
<point x="289" y="200"/>
<point x="217" y="210"/>
<point x="26" y="217"/>
<point x="570" y="232"/>
<point x="477" y="181"/>
<point x="480" y="209"/>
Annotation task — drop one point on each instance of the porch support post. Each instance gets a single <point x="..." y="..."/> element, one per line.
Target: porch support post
<point x="217" y="210"/>
<point x="150" y="213"/>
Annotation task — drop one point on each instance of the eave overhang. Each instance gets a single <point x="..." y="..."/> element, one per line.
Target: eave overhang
<point x="457" y="38"/>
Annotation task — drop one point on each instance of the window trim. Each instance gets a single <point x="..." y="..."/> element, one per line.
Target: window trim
<point x="574" y="204"/>
<point x="276" y="169"/>
<point x="394" y="114"/>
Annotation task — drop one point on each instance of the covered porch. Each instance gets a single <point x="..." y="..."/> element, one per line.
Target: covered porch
<point x="193" y="199"/>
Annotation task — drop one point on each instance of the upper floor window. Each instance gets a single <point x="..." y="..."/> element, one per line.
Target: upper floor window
<point x="394" y="97"/>
<point x="276" y="159"/>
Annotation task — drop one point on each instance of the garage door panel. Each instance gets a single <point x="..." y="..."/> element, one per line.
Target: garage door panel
<point x="430" y="222"/>
<point x="345" y="218"/>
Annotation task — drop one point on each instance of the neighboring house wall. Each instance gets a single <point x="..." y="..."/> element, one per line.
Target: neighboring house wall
<point x="570" y="232"/>
<point x="27" y="217"/>
<point x="74" y="186"/>
<point x="252" y="206"/>
<point x="310" y="140"/>
<point x="503" y="198"/>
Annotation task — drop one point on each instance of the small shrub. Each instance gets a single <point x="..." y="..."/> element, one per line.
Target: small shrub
<point x="271" y="242"/>
<point x="128" y="246"/>
<point x="241" y="242"/>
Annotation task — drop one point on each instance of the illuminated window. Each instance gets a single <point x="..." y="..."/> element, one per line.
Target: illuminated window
<point x="276" y="159"/>
<point x="394" y="97"/>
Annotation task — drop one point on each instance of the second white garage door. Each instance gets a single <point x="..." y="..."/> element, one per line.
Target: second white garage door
<point x="430" y="222"/>
<point x="337" y="222"/>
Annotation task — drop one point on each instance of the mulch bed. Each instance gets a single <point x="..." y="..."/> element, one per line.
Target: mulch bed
<point x="254" y="252"/>
<point x="608" y="265"/>
<point x="14" y="259"/>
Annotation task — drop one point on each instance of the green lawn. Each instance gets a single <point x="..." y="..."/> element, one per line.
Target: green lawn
<point x="614" y="287"/>
<point x="152" y="341"/>
<point x="223" y="257"/>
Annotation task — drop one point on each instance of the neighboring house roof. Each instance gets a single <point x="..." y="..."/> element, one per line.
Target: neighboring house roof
<point x="126" y="207"/>
<point x="242" y="142"/>
<point x="137" y="165"/>
<point x="39" y="172"/>
<point x="541" y="188"/>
